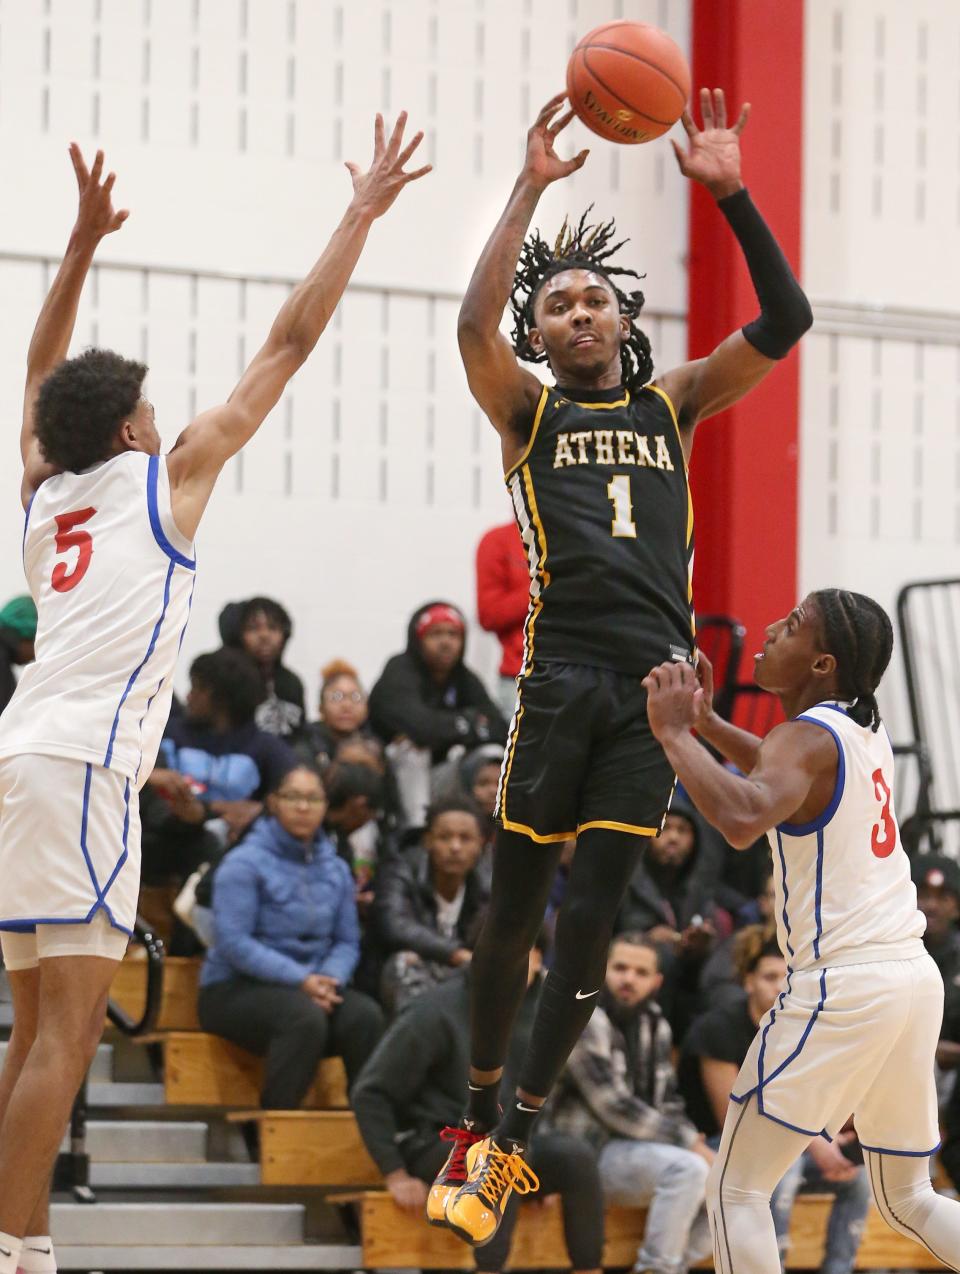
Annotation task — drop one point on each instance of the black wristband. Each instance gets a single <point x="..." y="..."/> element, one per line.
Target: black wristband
<point x="785" y="312"/>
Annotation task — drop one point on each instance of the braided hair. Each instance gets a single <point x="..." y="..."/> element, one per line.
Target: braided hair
<point x="857" y="631"/>
<point x="585" y="247"/>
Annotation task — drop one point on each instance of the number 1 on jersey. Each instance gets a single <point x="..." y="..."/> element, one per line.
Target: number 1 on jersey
<point x="618" y="490"/>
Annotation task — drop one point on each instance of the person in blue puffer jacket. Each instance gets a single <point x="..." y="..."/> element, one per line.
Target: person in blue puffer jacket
<point x="286" y="943"/>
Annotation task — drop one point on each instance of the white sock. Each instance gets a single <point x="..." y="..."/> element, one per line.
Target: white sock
<point x="37" y="1255"/>
<point x="9" y="1253"/>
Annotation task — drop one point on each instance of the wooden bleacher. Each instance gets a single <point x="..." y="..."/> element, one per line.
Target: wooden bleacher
<point x="320" y="1147"/>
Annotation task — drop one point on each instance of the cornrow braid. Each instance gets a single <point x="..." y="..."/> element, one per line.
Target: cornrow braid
<point x="858" y="633"/>
<point x="584" y="247"/>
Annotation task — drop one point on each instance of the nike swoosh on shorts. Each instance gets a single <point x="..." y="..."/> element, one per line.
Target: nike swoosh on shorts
<point x="585" y="995"/>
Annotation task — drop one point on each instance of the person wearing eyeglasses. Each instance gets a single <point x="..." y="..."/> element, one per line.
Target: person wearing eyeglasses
<point x="277" y="979"/>
<point x="343" y="713"/>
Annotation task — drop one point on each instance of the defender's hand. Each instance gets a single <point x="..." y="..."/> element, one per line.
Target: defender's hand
<point x="96" y="216"/>
<point x="670" y="699"/>
<point x="375" y="190"/>
<point x="703" y="699"/>
<point x="714" y="155"/>
<point x="542" y="164"/>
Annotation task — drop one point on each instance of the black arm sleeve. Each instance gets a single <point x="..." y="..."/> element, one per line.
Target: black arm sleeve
<point x="785" y="312"/>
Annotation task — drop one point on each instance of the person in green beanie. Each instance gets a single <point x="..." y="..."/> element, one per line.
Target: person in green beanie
<point x="18" y="628"/>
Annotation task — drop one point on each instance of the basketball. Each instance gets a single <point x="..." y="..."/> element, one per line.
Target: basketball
<point x="628" y="82"/>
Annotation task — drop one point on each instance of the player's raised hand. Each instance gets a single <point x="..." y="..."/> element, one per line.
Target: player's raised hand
<point x="713" y="157"/>
<point x="703" y="698"/>
<point x="542" y="164"/>
<point x="376" y="189"/>
<point x="96" y="215"/>
<point x="670" y="691"/>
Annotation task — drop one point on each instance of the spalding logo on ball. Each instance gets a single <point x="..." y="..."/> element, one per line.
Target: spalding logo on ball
<point x="628" y="82"/>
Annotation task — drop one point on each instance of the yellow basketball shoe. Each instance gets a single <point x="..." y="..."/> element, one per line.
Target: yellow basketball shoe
<point x="453" y="1174"/>
<point x="475" y="1211"/>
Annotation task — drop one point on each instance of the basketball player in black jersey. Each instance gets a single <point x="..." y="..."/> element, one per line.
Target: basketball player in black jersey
<point x="596" y="467"/>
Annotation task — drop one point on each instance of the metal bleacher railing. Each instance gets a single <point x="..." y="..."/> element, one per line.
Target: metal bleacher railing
<point x="72" y="1171"/>
<point x="928" y="619"/>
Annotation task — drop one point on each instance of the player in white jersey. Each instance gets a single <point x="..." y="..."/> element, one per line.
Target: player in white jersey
<point x="854" y="1030"/>
<point x="108" y="555"/>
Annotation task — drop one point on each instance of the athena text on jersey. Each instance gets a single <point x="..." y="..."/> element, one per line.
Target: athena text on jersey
<point x="602" y="502"/>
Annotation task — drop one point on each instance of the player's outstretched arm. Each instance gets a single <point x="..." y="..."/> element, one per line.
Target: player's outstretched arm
<point x="205" y="445"/>
<point x="708" y="385"/>
<point x="507" y="392"/>
<point x="50" y="342"/>
<point x="794" y="763"/>
<point x="739" y="746"/>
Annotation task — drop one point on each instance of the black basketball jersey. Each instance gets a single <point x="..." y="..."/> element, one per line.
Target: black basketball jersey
<point x="604" y="509"/>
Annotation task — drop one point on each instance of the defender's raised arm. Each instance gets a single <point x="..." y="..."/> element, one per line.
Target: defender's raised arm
<point x="51" y="338"/>
<point x="205" y="446"/>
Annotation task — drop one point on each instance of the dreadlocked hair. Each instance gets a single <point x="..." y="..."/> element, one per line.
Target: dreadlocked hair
<point x="586" y="247"/>
<point x="858" y="633"/>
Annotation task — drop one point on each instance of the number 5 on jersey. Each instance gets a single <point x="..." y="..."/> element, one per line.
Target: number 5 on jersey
<point x="68" y="537"/>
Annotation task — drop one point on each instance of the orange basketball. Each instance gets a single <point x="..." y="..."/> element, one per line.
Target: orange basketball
<point x="628" y="82"/>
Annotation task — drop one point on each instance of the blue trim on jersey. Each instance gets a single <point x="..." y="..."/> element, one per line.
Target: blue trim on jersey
<point x="903" y="1154"/>
<point x="818" y="896"/>
<point x="786" y="893"/>
<point x="87" y="779"/>
<point x="139" y="668"/>
<point x="799" y="1049"/>
<point x="153" y="470"/>
<point x="26" y="525"/>
<point x="817" y="824"/>
<point x="123" y="855"/>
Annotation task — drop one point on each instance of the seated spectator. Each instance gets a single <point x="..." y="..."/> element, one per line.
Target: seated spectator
<point x="228" y="761"/>
<point x="276" y="980"/>
<point x="618" y="1092"/>
<point x="343" y="713"/>
<point x="354" y="807"/>
<point x="672" y="899"/>
<point x="938" y="896"/>
<point x="427" y="702"/>
<point x="261" y="628"/>
<point x="427" y="905"/>
<point x="503" y="599"/>
<point x="719" y="978"/>
<point x="410" y="1095"/>
<point x="479" y="777"/>
<point x="18" y="628"/>
<point x="713" y="1053"/>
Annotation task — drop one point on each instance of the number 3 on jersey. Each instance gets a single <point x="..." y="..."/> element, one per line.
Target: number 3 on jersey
<point x="883" y="839"/>
<point x="618" y="490"/>
<point x="68" y="537"/>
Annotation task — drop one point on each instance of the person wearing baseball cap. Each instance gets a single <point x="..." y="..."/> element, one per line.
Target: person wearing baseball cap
<point x="18" y="628"/>
<point x="938" y="895"/>
<point x="427" y="701"/>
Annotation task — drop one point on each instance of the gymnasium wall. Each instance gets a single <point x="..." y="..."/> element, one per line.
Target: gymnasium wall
<point x="228" y="122"/>
<point x="880" y="429"/>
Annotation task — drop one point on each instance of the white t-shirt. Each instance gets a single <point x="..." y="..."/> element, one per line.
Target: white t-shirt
<point x="448" y="913"/>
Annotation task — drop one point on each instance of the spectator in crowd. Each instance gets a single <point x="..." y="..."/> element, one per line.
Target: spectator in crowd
<point x="427" y="702"/>
<point x="228" y="762"/>
<point x="412" y="1089"/>
<point x="354" y="807"/>
<point x="619" y="1093"/>
<point x="343" y="712"/>
<point x="261" y="628"/>
<point x="503" y="598"/>
<point x="18" y="628"/>
<point x="713" y="1053"/>
<point x="720" y="981"/>
<point x="671" y="897"/>
<point x="479" y="778"/>
<point x="276" y="980"/>
<point x="428" y="901"/>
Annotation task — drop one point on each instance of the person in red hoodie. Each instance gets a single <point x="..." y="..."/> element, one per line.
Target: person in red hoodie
<point x="503" y="598"/>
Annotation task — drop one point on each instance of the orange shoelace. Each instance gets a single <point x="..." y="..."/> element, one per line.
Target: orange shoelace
<point x="502" y="1172"/>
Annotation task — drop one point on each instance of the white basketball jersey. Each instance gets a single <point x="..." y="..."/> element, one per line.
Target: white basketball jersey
<point x="843" y="887"/>
<point x="112" y="579"/>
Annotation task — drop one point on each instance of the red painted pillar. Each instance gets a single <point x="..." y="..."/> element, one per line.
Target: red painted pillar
<point x="745" y="472"/>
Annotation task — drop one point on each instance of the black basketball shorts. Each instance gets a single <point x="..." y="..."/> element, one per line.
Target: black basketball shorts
<point x="581" y="754"/>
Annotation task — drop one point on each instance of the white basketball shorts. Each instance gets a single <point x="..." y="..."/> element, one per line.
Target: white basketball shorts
<point x="852" y="1040"/>
<point x="69" y="855"/>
